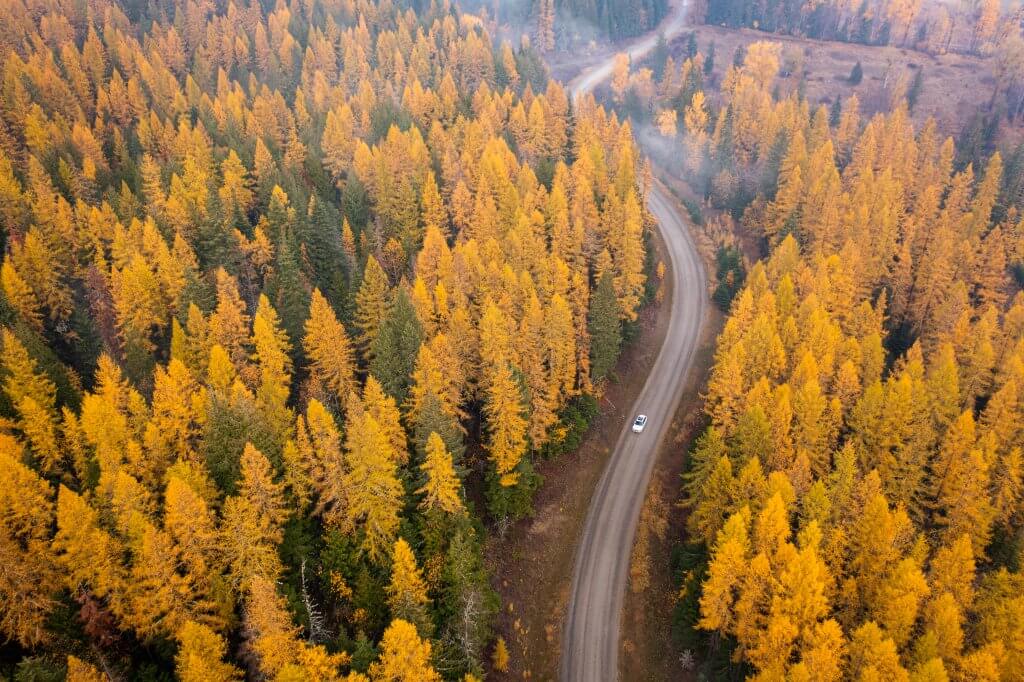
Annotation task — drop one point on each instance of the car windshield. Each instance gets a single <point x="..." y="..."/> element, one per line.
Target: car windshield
<point x="640" y="420"/>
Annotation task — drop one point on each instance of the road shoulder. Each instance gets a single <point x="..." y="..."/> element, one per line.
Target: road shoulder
<point x="533" y="563"/>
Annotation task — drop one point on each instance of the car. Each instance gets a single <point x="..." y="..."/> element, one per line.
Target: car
<point x="639" y="423"/>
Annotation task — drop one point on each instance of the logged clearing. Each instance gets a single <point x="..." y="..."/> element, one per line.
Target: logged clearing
<point x="953" y="85"/>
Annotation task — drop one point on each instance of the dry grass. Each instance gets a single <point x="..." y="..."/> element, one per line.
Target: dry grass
<point x="953" y="86"/>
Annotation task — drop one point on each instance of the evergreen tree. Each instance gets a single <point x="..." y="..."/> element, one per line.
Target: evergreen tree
<point x="856" y="74"/>
<point x="371" y="307"/>
<point x="835" y="112"/>
<point x="914" y="93"/>
<point x="395" y="348"/>
<point x="605" y="329"/>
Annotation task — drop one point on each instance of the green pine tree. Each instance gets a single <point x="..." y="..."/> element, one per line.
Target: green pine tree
<point x="395" y="348"/>
<point x="605" y="328"/>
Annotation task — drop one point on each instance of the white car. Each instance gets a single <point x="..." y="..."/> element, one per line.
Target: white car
<point x="639" y="423"/>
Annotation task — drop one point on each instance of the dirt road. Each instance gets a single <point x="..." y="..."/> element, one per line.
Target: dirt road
<point x="590" y="643"/>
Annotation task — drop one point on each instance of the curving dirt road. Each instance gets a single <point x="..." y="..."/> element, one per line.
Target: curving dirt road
<point x="590" y="640"/>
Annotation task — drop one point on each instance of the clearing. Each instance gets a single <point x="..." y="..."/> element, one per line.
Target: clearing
<point x="953" y="85"/>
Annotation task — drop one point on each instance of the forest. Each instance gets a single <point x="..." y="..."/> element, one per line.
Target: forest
<point x="565" y="25"/>
<point x="856" y="499"/>
<point x="293" y="295"/>
<point x="614" y="19"/>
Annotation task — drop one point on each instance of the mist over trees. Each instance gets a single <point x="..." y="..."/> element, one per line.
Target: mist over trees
<point x="572" y="23"/>
<point x="292" y="299"/>
<point x="855" y="507"/>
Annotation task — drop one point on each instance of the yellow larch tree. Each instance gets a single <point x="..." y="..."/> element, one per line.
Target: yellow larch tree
<point x="200" y="656"/>
<point x="268" y="627"/>
<point x="81" y="671"/>
<point x="252" y="522"/>
<point x="34" y="397"/>
<point x="30" y="578"/>
<point x="627" y="251"/>
<point x="560" y="340"/>
<point x="317" y="460"/>
<point x="20" y="295"/>
<point x="406" y="591"/>
<point x="190" y="525"/>
<point x="404" y="656"/>
<point x="272" y="358"/>
<point x="506" y="424"/>
<point x="88" y="553"/>
<point x="437" y="373"/>
<point x="141" y="311"/>
<point x="728" y="565"/>
<point x="23" y="378"/>
<point x="274" y="640"/>
<point x="496" y="346"/>
<point x="434" y="260"/>
<point x="899" y="600"/>
<point x="337" y="141"/>
<point x="384" y="410"/>
<point x="328" y="349"/>
<point x="177" y="415"/>
<point x="964" y="504"/>
<point x="229" y="324"/>
<point x="40" y="428"/>
<point x="160" y="599"/>
<point x="695" y="118"/>
<point x="373" y="490"/>
<point x="530" y="343"/>
<point x="874" y="656"/>
<point x="441" y="487"/>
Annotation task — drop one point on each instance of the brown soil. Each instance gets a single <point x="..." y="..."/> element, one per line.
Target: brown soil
<point x="533" y="563"/>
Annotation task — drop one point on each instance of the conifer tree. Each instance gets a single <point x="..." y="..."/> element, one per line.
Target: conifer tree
<point x="229" y="323"/>
<point x="272" y="637"/>
<point x="371" y="307"/>
<point x="328" y="349"/>
<point x="274" y="363"/>
<point x="394" y="350"/>
<point x="200" y="656"/>
<point x="506" y="425"/>
<point x="605" y="329"/>
<point x="407" y="593"/>
<point x="315" y="462"/>
<point x="23" y="378"/>
<point x="404" y="656"/>
<point x="253" y="520"/>
<point x="89" y="555"/>
<point x="374" y="493"/>
<point x="31" y="579"/>
<point x="441" y="487"/>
